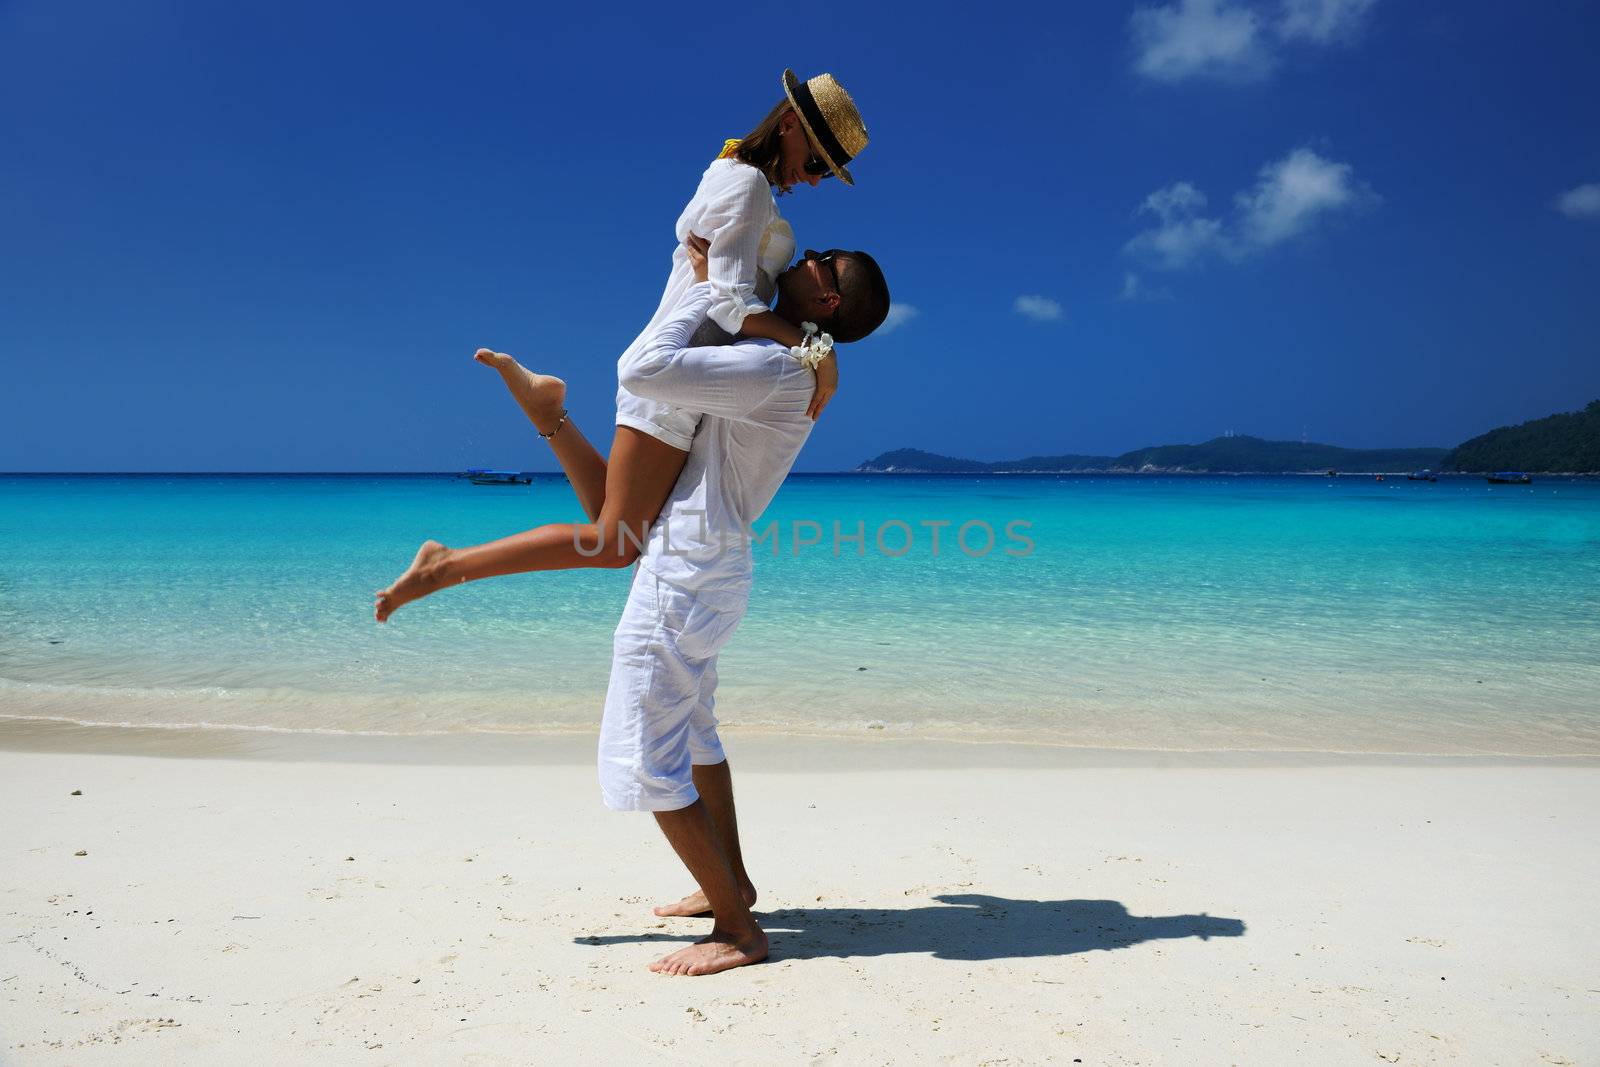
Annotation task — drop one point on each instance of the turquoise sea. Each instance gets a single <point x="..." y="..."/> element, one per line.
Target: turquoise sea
<point x="1296" y="613"/>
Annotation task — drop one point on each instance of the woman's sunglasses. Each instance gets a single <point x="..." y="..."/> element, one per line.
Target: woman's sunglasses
<point x="817" y="168"/>
<point x="814" y="165"/>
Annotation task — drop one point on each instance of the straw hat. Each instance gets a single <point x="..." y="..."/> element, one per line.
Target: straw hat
<point x="830" y="119"/>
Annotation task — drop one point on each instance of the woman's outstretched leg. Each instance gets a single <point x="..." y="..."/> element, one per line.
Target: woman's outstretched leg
<point x="639" y="476"/>
<point x="542" y="398"/>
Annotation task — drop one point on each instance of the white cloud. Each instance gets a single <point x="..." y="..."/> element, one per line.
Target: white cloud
<point x="1135" y="289"/>
<point x="1322" y="21"/>
<point x="1582" y="202"/>
<point x="899" y="315"/>
<point x="1176" y="244"/>
<point x="1037" y="308"/>
<point x="1175" y="201"/>
<point x="1235" y="40"/>
<point x="1199" y="37"/>
<point x="1294" y="192"/>
<point x="1183" y="234"/>
<point x="1290" y="197"/>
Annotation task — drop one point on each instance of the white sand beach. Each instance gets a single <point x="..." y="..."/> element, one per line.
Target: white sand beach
<point x="471" y="902"/>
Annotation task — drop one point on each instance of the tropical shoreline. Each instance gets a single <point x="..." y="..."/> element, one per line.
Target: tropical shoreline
<point x="772" y="749"/>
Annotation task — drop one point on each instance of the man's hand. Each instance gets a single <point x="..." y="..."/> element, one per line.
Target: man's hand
<point x="827" y="385"/>
<point x="697" y="247"/>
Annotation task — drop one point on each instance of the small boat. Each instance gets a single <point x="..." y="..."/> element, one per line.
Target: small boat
<point x="1422" y="476"/>
<point x="480" y="476"/>
<point x="1509" y="478"/>
<point x="1332" y="473"/>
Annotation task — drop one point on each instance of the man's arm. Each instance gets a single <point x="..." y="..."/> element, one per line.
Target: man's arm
<point x="716" y="380"/>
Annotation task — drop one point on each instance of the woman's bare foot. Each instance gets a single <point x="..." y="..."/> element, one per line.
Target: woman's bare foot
<point x="420" y="579"/>
<point x="719" y="952"/>
<point x="695" y="905"/>
<point x="540" y="396"/>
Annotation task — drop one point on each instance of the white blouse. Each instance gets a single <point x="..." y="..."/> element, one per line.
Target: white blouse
<point x="750" y="246"/>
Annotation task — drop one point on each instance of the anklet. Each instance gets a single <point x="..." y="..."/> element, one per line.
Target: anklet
<point x="557" y="430"/>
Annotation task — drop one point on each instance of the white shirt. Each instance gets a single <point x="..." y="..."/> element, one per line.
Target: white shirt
<point x="751" y="245"/>
<point x="754" y="395"/>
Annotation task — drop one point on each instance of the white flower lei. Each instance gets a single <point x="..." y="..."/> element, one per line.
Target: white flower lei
<point x="814" y="349"/>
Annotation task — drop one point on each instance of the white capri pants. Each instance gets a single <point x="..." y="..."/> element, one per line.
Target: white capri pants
<point x="658" y="720"/>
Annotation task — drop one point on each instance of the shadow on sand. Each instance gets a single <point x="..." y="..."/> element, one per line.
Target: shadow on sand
<point x="963" y="926"/>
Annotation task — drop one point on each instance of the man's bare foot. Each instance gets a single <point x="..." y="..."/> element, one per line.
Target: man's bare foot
<point x="719" y="952"/>
<point x="540" y="396"/>
<point x="695" y="905"/>
<point x="420" y="579"/>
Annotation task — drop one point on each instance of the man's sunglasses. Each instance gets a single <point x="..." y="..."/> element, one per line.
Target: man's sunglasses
<point x="826" y="259"/>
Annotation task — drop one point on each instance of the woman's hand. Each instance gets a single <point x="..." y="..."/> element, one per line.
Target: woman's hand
<point x="827" y="385"/>
<point x="697" y="247"/>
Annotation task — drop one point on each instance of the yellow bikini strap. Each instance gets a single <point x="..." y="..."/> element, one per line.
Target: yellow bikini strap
<point x="728" y="147"/>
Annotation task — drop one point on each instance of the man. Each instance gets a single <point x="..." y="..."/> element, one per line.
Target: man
<point x="659" y="749"/>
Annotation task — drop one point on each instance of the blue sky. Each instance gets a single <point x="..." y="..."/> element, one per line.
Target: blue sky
<point x="269" y="236"/>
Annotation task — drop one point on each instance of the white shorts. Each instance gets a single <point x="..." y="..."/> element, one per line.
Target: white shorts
<point x="658" y="720"/>
<point x="668" y="424"/>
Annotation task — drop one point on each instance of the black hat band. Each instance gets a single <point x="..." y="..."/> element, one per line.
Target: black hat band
<point x="819" y="125"/>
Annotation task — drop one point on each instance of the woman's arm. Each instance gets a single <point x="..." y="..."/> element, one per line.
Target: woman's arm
<point x="733" y="223"/>
<point x="771" y="325"/>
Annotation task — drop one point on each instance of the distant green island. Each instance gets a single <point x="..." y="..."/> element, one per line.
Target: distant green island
<point x="1567" y="443"/>
<point x="1564" y="443"/>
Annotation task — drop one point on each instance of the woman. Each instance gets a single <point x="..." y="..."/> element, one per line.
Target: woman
<point x="812" y="133"/>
